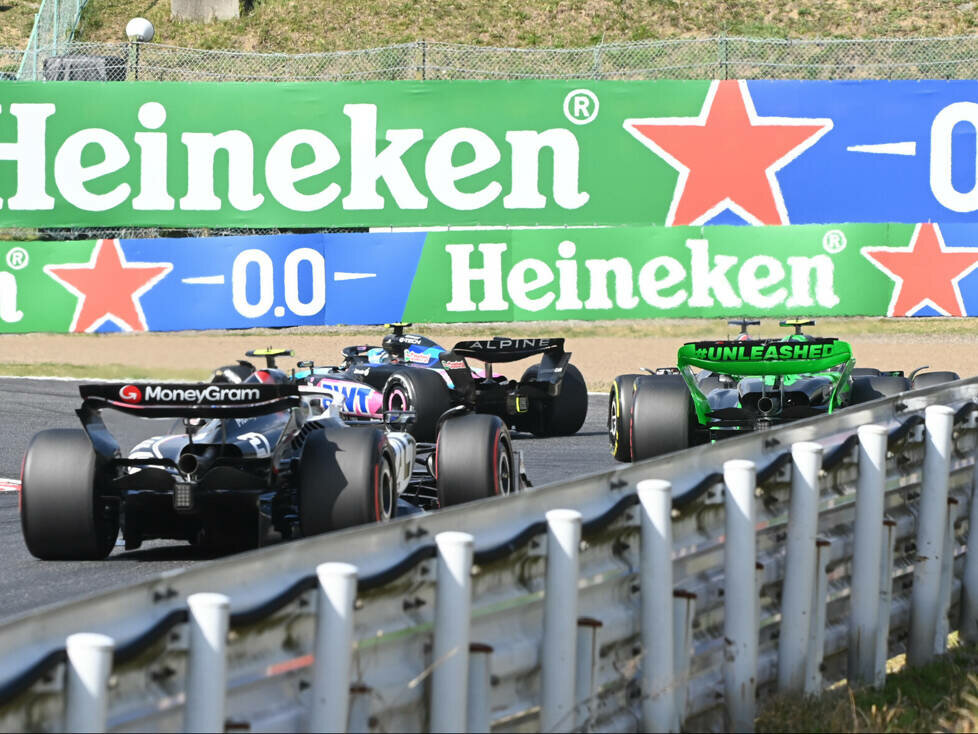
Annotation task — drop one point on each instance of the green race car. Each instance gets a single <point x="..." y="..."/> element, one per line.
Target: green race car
<point x="723" y="388"/>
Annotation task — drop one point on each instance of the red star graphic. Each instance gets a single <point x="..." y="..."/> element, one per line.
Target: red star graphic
<point x="108" y="287"/>
<point x="926" y="272"/>
<point x="727" y="156"/>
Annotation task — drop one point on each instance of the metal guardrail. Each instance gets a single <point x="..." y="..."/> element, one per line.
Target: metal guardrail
<point x="538" y="619"/>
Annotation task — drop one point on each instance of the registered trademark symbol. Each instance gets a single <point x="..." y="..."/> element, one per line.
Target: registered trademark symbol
<point x="581" y="106"/>
<point x="17" y="258"/>
<point x="834" y="241"/>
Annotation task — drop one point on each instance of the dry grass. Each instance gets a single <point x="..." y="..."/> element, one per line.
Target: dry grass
<point x="328" y="25"/>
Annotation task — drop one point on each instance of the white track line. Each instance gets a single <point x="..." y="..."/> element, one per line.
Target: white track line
<point x="9" y="485"/>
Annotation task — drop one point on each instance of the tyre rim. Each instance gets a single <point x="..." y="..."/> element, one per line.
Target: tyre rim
<point x="505" y="472"/>
<point x="613" y="419"/>
<point x="386" y="490"/>
<point x="397" y="400"/>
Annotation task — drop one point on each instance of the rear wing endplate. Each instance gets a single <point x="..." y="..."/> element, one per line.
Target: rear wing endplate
<point x="762" y="357"/>
<point x="190" y="400"/>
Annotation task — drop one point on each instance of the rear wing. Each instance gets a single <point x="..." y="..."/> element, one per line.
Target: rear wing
<point x="502" y="349"/>
<point x="764" y="357"/>
<point x="189" y="400"/>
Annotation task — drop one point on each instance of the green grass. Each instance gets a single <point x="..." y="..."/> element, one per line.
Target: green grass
<point x="941" y="696"/>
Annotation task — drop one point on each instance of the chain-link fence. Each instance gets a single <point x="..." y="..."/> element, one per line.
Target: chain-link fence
<point x="54" y="28"/>
<point x="707" y="58"/>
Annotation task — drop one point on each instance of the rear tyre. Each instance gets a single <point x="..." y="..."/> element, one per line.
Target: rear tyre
<point x="344" y="480"/>
<point x="662" y="419"/>
<point x="63" y="513"/>
<point x="424" y="392"/>
<point x="926" y="379"/>
<point x="474" y="460"/>
<point x="619" y="415"/>
<point x="562" y="415"/>
<point x="865" y="389"/>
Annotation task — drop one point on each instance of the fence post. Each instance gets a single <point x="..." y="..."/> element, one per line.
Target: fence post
<point x="925" y="602"/>
<point x="739" y="589"/>
<point x="886" y="603"/>
<point x="816" y="630"/>
<point x="799" y="571"/>
<point x="206" y="695"/>
<point x="88" y="668"/>
<point x="560" y="620"/>
<point x="333" y="646"/>
<point x="658" y="700"/>
<point x="968" y="625"/>
<point x="587" y="635"/>
<point x="683" y="611"/>
<point x="478" y="716"/>
<point x="867" y="554"/>
<point x="947" y="575"/>
<point x="453" y="613"/>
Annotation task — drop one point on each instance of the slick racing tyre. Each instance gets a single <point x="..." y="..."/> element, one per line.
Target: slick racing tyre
<point x="619" y="416"/>
<point x="344" y="480"/>
<point x="874" y="387"/>
<point x="662" y="419"/>
<point x="424" y="392"/>
<point x="926" y="379"/>
<point x="562" y="415"/>
<point x="474" y="460"/>
<point x="63" y="514"/>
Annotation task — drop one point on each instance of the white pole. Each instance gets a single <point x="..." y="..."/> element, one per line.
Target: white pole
<point x="947" y="575"/>
<point x="88" y="669"/>
<point x="683" y="611"/>
<point x="560" y="620"/>
<point x="207" y="663"/>
<point x="740" y="589"/>
<point x="799" y="572"/>
<point x="925" y="601"/>
<point x="658" y="700"/>
<point x="816" y="632"/>
<point x="968" y="625"/>
<point x="333" y="657"/>
<point x="360" y="695"/>
<point x="867" y="554"/>
<point x="479" y="717"/>
<point x="453" y="612"/>
<point x="587" y="635"/>
<point x="886" y="603"/>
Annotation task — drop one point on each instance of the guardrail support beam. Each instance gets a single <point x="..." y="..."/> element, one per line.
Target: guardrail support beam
<point x="206" y="705"/>
<point x="740" y="591"/>
<point x="799" y="572"/>
<point x="453" y="612"/>
<point x="867" y="554"/>
<point x="88" y="668"/>
<point x="925" y="605"/>
<point x="560" y="620"/>
<point x="968" y="624"/>
<point x="333" y="659"/>
<point x="658" y="660"/>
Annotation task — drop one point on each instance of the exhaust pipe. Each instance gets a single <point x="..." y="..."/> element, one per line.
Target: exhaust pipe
<point x="190" y="464"/>
<point x="767" y="406"/>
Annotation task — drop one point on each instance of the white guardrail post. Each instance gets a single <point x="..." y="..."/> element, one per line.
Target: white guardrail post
<point x="560" y="620"/>
<point x="925" y="605"/>
<point x="453" y="613"/>
<point x="867" y="554"/>
<point x="88" y="668"/>
<point x="968" y="624"/>
<point x="658" y="659"/>
<point x="739" y="590"/>
<point x="333" y="656"/>
<point x="478" y="709"/>
<point x="587" y="636"/>
<point x="207" y="663"/>
<point x="799" y="571"/>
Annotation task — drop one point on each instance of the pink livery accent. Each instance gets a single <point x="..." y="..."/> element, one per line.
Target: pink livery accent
<point x="354" y="398"/>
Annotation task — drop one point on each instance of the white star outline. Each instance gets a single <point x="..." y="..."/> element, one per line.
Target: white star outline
<point x="136" y="294"/>
<point x="867" y="253"/>
<point x="755" y="121"/>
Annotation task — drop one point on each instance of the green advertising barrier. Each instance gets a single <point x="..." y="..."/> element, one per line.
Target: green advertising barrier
<point x="643" y="272"/>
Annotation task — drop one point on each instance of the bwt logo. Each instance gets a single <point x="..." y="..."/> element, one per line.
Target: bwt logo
<point x="131" y="394"/>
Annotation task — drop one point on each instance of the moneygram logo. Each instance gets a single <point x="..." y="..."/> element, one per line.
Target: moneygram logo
<point x="208" y="394"/>
<point x="131" y="394"/>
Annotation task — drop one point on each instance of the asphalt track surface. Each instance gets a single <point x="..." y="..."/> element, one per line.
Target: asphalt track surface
<point x="29" y="406"/>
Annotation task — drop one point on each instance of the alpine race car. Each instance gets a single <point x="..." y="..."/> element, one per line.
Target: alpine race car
<point x="723" y="388"/>
<point x="255" y="461"/>
<point x="412" y="372"/>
